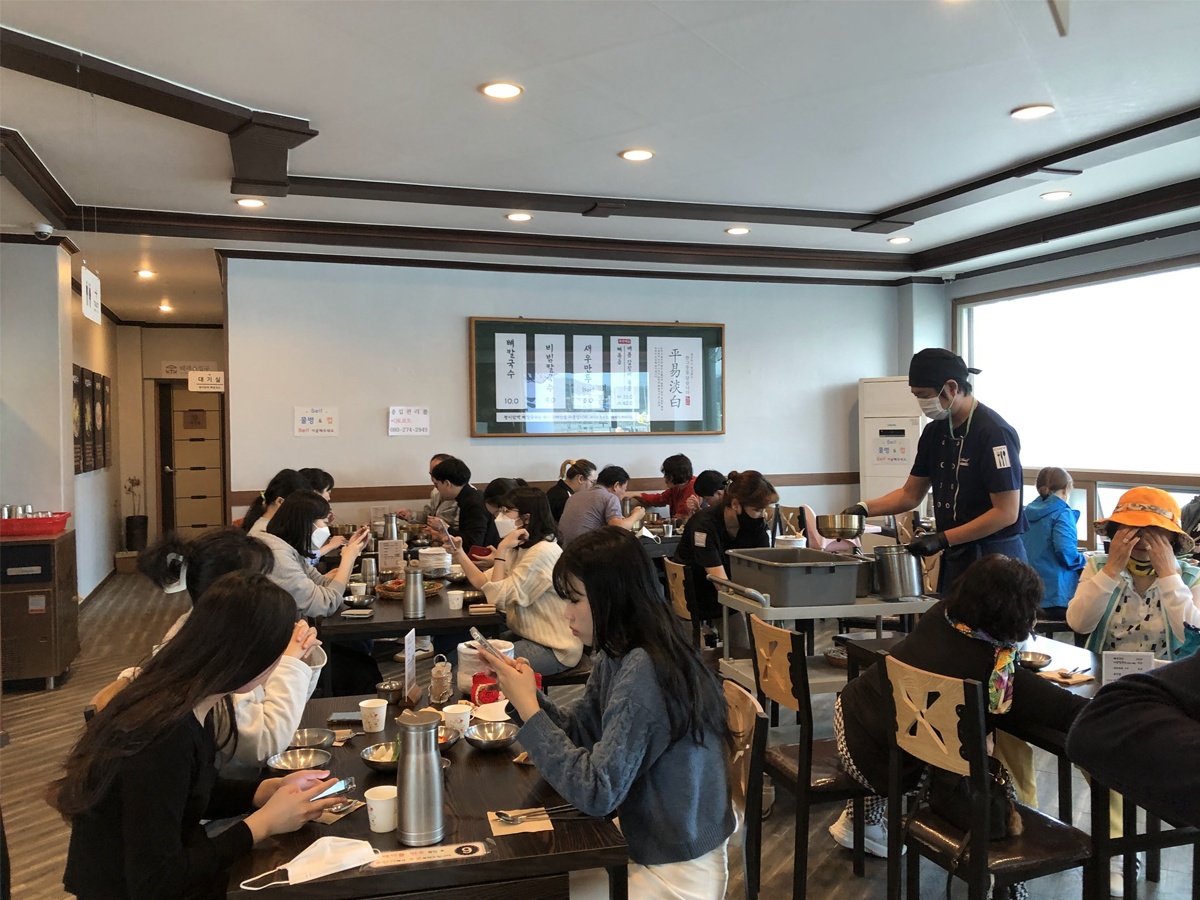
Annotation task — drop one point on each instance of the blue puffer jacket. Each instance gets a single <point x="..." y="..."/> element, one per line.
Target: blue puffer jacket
<point x="1052" y="545"/>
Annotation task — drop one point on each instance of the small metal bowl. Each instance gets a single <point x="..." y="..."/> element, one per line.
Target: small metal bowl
<point x="298" y="760"/>
<point x="439" y="572"/>
<point x="312" y="739"/>
<point x="447" y="737"/>
<point x="391" y="691"/>
<point x="491" y="735"/>
<point x="1031" y="659"/>
<point x="841" y="528"/>
<point x="379" y="757"/>
<point x="359" y="602"/>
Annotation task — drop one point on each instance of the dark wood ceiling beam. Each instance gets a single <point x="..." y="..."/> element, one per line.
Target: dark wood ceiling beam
<point x="21" y="166"/>
<point x="259" y="142"/>
<point x="528" y="201"/>
<point x="1060" y="164"/>
<point x="401" y="237"/>
<point x="1156" y="202"/>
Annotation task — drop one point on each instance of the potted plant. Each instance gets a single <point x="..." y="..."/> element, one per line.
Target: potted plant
<point x="136" y="526"/>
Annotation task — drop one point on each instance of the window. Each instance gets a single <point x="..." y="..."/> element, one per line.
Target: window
<point x="1100" y="377"/>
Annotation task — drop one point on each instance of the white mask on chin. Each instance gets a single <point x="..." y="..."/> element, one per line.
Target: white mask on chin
<point x="933" y="409"/>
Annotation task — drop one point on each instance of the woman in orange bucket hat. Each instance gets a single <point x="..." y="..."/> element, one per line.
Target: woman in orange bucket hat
<point x="1139" y="596"/>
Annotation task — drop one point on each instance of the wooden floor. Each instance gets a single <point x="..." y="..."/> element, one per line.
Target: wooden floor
<point x="128" y="616"/>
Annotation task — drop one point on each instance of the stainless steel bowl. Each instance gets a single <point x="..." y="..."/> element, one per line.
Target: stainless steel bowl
<point x="380" y="757"/>
<point x="312" y="739"/>
<point x="491" y="735"/>
<point x="447" y="737"/>
<point x="362" y="602"/>
<point x="1031" y="659"/>
<point x="438" y="573"/>
<point x="841" y="528"/>
<point x="391" y="691"/>
<point x="297" y="760"/>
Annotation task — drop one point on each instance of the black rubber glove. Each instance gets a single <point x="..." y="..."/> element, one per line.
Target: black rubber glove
<point x="856" y="510"/>
<point x="928" y="544"/>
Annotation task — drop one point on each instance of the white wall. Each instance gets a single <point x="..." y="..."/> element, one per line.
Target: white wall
<point x="161" y="345"/>
<point x="130" y="418"/>
<point x="98" y="521"/>
<point x="362" y="338"/>
<point x="923" y="312"/>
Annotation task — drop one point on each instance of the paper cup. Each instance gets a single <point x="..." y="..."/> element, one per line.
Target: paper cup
<point x="456" y="599"/>
<point x="358" y="590"/>
<point x="381" y="808"/>
<point x="373" y="712"/>
<point x="457" y="716"/>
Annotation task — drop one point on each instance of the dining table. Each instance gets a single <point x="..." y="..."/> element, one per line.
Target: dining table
<point x="476" y="864"/>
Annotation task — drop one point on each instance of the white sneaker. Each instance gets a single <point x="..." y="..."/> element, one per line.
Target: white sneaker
<point x="875" y="837"/>
<point x="1116" y="875"/>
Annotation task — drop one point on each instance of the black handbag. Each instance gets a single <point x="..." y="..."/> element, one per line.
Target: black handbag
<point x="953" y="797"/>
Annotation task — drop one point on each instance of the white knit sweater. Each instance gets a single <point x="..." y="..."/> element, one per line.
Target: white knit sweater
<point x="527" y="598"/>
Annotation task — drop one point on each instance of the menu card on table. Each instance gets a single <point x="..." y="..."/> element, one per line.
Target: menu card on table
<point x="391" y="555"/>
<point x="1117" y="664"/>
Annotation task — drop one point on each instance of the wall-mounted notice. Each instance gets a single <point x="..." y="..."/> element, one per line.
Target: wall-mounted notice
<point x="175" y="368"/>
<point x="77" y="416"/>
<point x="511" y="368"/>
<point x="673" y="381"/>
<point x="316" y="421"/>
<point x="408" y="420"/>
<point x="561" y="377"/>
<point x="90" y="291"/>
<point x="1117" y="664"/>
<point x="206" y="382"/>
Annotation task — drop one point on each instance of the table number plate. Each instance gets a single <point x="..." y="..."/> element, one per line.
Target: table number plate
<point x="428" y="854"/>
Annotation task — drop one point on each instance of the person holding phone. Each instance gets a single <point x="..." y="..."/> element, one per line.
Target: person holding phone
<point x="476" y="526"/>
<point x="142" y="777"/>
<point x="649" y="739"/>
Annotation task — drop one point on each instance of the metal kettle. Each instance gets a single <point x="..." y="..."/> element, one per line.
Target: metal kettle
<point x="421" y="817"/>
<point x="391" y="527"/>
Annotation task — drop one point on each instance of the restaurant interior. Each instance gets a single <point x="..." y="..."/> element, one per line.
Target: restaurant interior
<point x="600" y="448"/>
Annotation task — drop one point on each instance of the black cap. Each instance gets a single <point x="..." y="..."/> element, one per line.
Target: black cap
<point x="709" y="482"/>
<point x="933" y="367"/>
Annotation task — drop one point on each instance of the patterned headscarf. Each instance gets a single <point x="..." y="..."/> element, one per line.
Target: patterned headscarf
<point x="1000" y="684"/>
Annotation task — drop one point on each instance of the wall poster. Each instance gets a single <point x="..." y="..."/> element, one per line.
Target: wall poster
<point x="557" y="377"/>
<point x="109" y="424"/>
<point x="77" y="415"/>
<point x="89" y="421"/>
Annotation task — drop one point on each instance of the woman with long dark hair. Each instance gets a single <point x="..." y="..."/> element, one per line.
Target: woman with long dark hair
<point x="575" y="475"/>
<point x="521" y="583"/>
<point x="265" y="505"/>
<point x="289" y="535"/>
<point x="322" y="543"/>
<point x="268" y="716"/>
<point x="142" y="777"/>
<point x="650" y="739"/>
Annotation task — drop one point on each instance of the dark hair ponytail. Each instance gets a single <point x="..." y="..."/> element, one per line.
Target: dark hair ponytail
<point x="207" y="558"/>
<point x="285" y="483"/>
<point x="1051" y="479"/>
<point x="750" y="488"/>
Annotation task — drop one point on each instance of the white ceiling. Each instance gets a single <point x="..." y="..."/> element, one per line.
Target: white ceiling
<point x="830" y="105"/>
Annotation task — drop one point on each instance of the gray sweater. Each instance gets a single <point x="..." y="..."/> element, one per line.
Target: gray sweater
<point x="612" y="751"/>
<point x="315" y="594"/>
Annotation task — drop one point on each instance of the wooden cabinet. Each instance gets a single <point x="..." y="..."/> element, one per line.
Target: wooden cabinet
<point x="39" y="618"/>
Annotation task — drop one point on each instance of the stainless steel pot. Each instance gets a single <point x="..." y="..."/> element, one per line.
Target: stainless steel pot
<point x="841" y="528"/>
<point x="898" y="573"/>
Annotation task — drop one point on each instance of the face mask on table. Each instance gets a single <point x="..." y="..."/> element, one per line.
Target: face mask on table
<point x="933" y="409"/>
<point x="320" y="536"/>
<point x="323" y="856"/>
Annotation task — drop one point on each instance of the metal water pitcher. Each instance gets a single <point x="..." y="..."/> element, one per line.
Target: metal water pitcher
<point x="414" y="591"/>
<point x="391" y="527"/>
<point x="421" y="816"/>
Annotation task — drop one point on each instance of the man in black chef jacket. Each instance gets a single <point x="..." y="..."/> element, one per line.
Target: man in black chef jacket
<point x="971" y="458"/>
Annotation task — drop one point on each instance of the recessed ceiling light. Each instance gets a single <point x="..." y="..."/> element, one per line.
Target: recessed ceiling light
<point x="251" y="203"/>
<point x="899" y="239"/>
<point x="502" y="90"/>
<point x="145" y="273"/>
<point x="1056" y="195"/>
<point x="165" y="306"/>
<point x="1032" y="112"/>
<point x="636" y="155"/>
<point x="518" y="217"/>
<point x="738" y="230"/>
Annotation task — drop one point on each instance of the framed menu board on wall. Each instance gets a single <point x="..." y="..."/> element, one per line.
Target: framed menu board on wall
<point x="542" y="378"/>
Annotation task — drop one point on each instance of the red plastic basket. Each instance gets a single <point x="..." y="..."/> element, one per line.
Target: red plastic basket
<point x="51" y="524"/>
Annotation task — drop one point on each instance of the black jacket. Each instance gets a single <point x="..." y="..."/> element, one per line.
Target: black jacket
<point x="1140" y="736"/>
<point x="937" y="647"/>
<point x="476" y="526"/>
<point x="558" y="497"/>
<point x="144" y="838"/>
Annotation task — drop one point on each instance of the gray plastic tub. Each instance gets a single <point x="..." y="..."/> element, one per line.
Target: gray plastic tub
<point x="795" y="576"/>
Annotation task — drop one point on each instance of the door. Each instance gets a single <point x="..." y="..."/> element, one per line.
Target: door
<point x="192" y="452"/>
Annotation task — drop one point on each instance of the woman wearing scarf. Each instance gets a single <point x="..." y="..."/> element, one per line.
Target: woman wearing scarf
<point x="972" y="634"/>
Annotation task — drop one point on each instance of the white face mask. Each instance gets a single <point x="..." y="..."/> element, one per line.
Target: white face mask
<point x="504" y="525"/>
<point x="933" y="409"/>
<point x="323" y="856"/>
<point x="320" y="536"/>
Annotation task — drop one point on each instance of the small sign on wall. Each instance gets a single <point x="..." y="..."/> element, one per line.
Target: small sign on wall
<point x="206" y="382"/>
<point x="316" y="421"/>
<point x="175" y="368"/>
<point x="408" y="420"/>
<point x="90" y="283"/>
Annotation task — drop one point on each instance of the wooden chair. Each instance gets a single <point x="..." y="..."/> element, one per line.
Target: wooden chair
<point x="748" y="725"/>
<point x="811" y="770"/>
<point x="940" y="721"/>
<point x="676" y="580"/>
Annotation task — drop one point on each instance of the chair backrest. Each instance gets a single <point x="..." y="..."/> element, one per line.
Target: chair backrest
<point x="675" y="575"/>
<point x="787" y="516"/>
<point x="927" y="713"/>
<point x="748" y="724"/>
<point x="103" y="696"/>
<point x="781" y="668"/>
